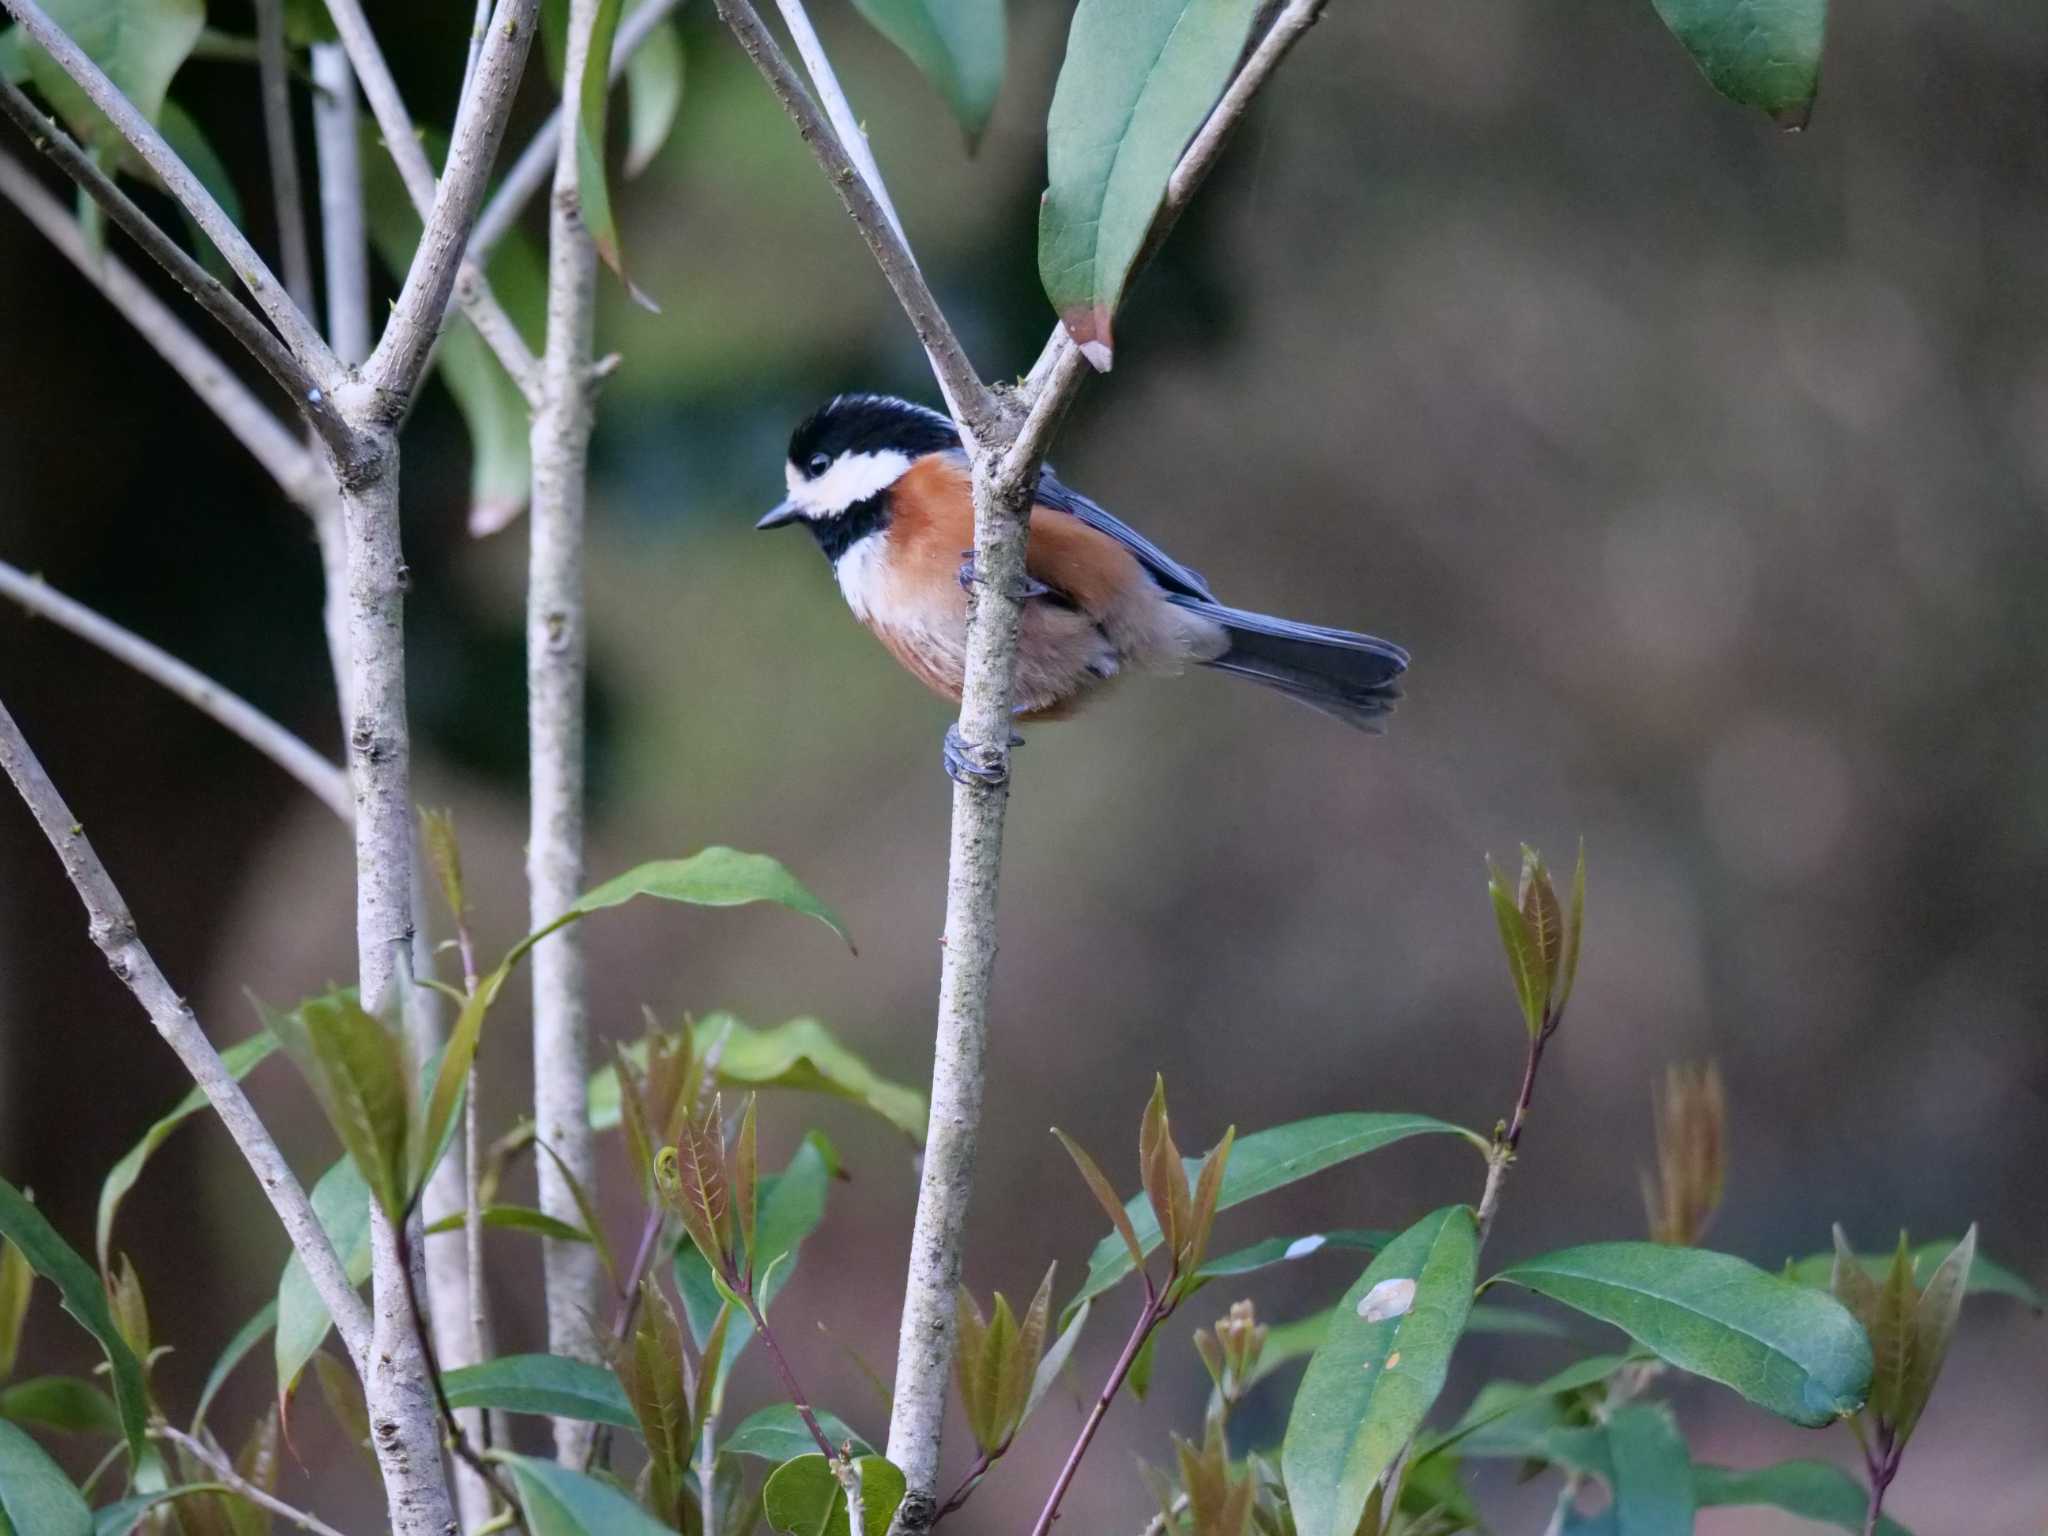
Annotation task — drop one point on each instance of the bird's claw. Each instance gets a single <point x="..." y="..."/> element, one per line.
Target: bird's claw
<point x="1025" y="590"/>
<point x="969" y="764"/>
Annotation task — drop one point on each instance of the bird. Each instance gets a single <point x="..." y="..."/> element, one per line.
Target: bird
<point x="883" y="486"/>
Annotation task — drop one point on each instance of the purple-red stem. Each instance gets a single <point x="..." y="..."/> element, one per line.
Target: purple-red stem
<point x="743" y="1287"/>
<point x="968" y="1483"/>
<point x="1155" y="1313"/>
<point x="1883" y="1465"/>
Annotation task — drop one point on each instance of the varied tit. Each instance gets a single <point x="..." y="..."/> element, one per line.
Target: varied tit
<point x="883" y="486"/>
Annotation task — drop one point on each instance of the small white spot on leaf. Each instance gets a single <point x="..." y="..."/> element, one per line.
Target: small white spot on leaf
<point x="1302" y="1247"/>
<point x="1390" y="1298"/>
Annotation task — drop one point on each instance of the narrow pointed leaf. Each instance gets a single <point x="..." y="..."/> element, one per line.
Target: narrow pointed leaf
<point x="1378" y="1371"/>
<point x="1166" y="1175"/>
<point x="1785" y="1347"/>
<point x="801" y="1055"/>
<point x="1020" y="1370"/>
<point x="745" y="1170"/>
<point x="1542" y="916"/>
<point x="17" y="1289"/>
<point x="514" y="1218"/>
<point x="1499" y="1400"/>
<point x="542" y="1384"/>
<point x="36" y="1497"/>
<point x="716" y="877"/>
<point x="84" y="1298"/>
<point x="1105" y="1196"/>
<point x="1986" y="1277"/>
<point x="1259" y="1164"/>
<point x="712" y="1361"/>
<point x="958" y="45"/>
<point x="1055" y="1360"/>
<point x="654" y="94"/>
<point x="1568" y="971"/>
<point x="357" y="1069"/>
<point x="342" y="1202"/>
<point x="558" y="1501"/>
<point x="1892" y="1341"/>
<point x="240" y="1059"/>
<point x="451" y="1079"/>
<point x="1758" y="53"/>
<point x="1287" y="1250"/>
<point x="1813" y="1490"/>
<point x="970" y="1337"/>
<point x="1138" y="79"/>
<point x="1525" y="961"/>
<point x="1934" y="1324"/>
<point x="1207" y="1188"/>
<point x="342" y="1390"/>
<point x="246" y="1338"/>
<point x="778" y="1434"/>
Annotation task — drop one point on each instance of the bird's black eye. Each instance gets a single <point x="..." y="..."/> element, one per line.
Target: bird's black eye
<point x="818" y="464"/>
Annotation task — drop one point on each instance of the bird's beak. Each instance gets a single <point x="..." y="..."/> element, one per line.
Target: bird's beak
<point x="782" y="512"/>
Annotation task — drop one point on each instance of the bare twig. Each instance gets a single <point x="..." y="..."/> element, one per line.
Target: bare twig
<point x="228" y="709"/>
<point x="448" y="208"/>
<point x="344" y="242"/>
<point x="298" y="377"/>
<point x="791" y="1388"/>
<point x="978" y="412"/>
<point x="224" y="1471"/>
<point x="113" y="931"/>
<point x="283" y="457"/>
<point x="555" y="657"/>
<point x="832" y="96"/>
<point x="536" y="163"/>
<point x="292" y="325"/>
<point x="1155" y="1313"/>
<point x="274" y="80"/>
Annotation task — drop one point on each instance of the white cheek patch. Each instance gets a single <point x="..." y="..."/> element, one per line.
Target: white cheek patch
<point x="861" y="571"/>
<point x="852" y="479"/>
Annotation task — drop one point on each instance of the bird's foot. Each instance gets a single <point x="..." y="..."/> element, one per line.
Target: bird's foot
<point x="1025" y="590"/>
<point x="966" y="763"/>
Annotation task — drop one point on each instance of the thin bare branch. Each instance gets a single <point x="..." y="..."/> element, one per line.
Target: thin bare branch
<point x="283" y="457"/>
<point x="555" y="662"/>
<point x="274" y="80"/>
<point x="224" y="1472"/>
<point x="977" y="411"/>
<point x="298" y="379"/>
<point x="446" y="208"/>
<point x="113" y="931"/>
<point x="344" y="241"/>
<point x="327" y="782"/>
<point x="295" y="327"/>
<point x="536" y="163"/>
<point x="832" y="96"/>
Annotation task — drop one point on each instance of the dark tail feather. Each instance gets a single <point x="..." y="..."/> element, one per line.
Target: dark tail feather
<point x="1351" y="677"/>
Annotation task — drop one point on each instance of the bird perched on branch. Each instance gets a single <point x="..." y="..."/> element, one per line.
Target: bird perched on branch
<point x="884" y="487"/>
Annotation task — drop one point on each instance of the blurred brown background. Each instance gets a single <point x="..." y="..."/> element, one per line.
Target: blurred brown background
<point x="1702" y="468"/>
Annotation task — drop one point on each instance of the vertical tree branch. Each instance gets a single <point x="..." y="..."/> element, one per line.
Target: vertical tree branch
<point x="825" y="85"/>
<point x="555" y="649"/>
<point x="113" y="931"/>
<point x="344" y="239"/>
<point x="274" y="82"/>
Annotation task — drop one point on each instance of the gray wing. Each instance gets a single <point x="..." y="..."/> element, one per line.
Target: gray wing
<point x="1164" y="569"/>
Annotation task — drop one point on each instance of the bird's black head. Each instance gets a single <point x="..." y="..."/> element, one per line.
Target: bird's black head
<point x="844" y="457"/>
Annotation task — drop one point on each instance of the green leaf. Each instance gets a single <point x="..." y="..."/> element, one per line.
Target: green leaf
<point x="560" y="1502"/>
<point x="1893" y="1342"/>
<point x="1812" y="1489"/>
<point x="86" y="1299"/>
<point x="1502" y="1399"/>
<point x="1934" y="1325"/>
<point x="1639" y="1455"/>
<point x="958" y="45"/>
<point x="515" y="1218"/>
<point x="451" y="1077"/>
<point x="240" y="1059"/>
<point x="63" y="1403"/>
<point x="17" y="1287"/>
<point x="792" y="1205"/>
<point x="1574" y="926"/>
<point x="1285" y="1250"/>
<point x="592" y="93"/>
<point x="654" y="94"/>
<point x="1138" y="79"/>
<point x="139" y="45"/>
<point x="1055" y="1360"/>
<point x="777" y="1434"/>
<point x="803" y="1498"/>
<point x="1758" y="53"/>
<point x="652" y="1371"/>
<point x="1261" y="1163"/>
<point x="1525" y="957"/>
<point x="1986" y="1277"/>
<point x="246" y="1338"/>
<point x="36" y="1497"/>
<point x="548" y="1384"/>
<point x="119" y="1519"/>
<point x="306" y="22"/>
<point x="800" y="1055"/>
<point x="717" y="877"/>
<point x="1783" y="1346"/>
<point x="342" y="1202"/>
<point x="358" y="1071"/>
<point x="1378" y="1371"/>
